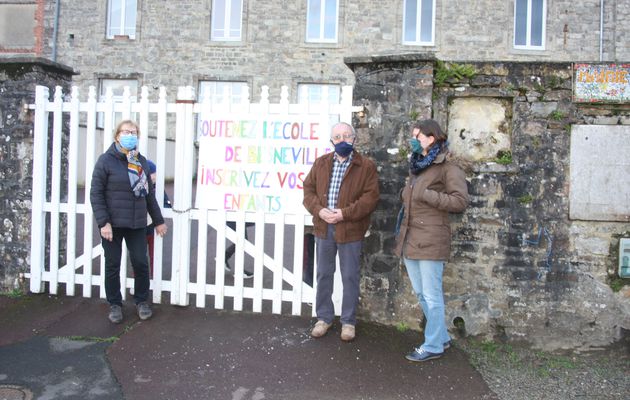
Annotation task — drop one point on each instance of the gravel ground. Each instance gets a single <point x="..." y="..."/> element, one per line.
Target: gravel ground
<point x="517" y="372"/>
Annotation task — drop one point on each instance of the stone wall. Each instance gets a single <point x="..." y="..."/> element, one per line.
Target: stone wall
<point x="520" y="269"/>
<point x="18" y="78"/>
<point x="172" y="46"/>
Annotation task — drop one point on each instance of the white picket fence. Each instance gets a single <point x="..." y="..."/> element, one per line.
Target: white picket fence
<point x="74" y="268"/>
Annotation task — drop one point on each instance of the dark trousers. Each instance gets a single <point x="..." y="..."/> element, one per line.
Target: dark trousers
<point x="231" y="247"/>
<point x="136" y="240"/>
<point x="349" y="264"/>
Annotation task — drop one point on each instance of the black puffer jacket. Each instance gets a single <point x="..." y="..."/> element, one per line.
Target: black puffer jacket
<point x="111" y="196"/>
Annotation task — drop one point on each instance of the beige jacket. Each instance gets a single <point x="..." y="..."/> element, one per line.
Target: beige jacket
<point x="425" y="231"/>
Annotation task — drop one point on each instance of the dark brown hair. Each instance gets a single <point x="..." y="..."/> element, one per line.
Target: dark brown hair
<point x="430" y="127"/>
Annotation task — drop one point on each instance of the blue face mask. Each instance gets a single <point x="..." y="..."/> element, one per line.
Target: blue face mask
<point x="344" y="149"/>
<point x="129" y="142"/>
<point x="416" y="146"/>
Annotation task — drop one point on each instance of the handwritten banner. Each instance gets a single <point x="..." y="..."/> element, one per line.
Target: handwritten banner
<point x="250" y="164"/>
<point x="606" y="83"/>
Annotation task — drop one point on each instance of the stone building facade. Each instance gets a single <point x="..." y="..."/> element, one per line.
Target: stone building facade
<point x="554" y="290"/>
<point x="172" y="45"/>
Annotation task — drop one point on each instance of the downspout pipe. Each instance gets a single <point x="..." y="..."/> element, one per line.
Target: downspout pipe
<point x="601" y="30"/>
<point x="55" y="32"/>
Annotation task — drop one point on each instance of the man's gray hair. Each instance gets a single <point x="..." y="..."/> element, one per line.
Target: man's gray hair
<point x="354" y="133"/>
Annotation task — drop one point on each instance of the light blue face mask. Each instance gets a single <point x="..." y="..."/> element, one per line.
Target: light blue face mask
<point x="129" y="142"/>
<point x="416" y="146"/>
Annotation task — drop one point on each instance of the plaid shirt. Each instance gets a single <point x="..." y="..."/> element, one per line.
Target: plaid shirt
<point x="338" y="171"/>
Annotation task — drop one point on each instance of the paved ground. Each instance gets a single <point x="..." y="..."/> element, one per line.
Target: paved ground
<point x="65" y="348"/>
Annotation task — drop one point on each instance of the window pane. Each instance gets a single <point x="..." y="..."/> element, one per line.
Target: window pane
<point x="235" y="19"/>
<point x="313" y="19"/>
<point x="118" y="86"/>
<point x="520" y="23"/>
<point x="330" y="20"/>
<point x="426" y="35"/>
<point x="115" y="15"/>
<point x="537" y="23"/>
<point x="130" y="18"/>
<point x="313" y="93"/>
<point x="218" y="19"/>
<point x="410" y="23"/>
<point x="221" y="90"/>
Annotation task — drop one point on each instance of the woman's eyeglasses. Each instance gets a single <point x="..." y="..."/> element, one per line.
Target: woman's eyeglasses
<point x="128" y="133"/>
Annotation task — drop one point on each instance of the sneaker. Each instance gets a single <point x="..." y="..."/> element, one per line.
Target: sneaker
<point x="144" y="310"/>
<point x="419" y="355"/>
<point x="115" y="314"/>
<point x="320" y="329"/>
<point x="347" y="332"/>
<point x="227" y="267"/>
<point x="247" y="274"/>
<point x="447" y="345"/>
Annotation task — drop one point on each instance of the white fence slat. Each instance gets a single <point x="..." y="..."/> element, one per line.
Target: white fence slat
<point x="219" y="279"/>
<point x="258" y="261"/>
<point x="202" y="242"/>
<point x="108" y="123"/>
<point x="278" y="255"/>
<point x="298" y="265"/>
<point x="239" y="261"/>
<point x="158" y="242"/>
<point x="73" y="163"/>
<point x="55" y="191"/>
<point x="38" y="219"/>
<point x="143" y="121"/>
<point x="123" y="271"/>
<point x="88" y="221"/>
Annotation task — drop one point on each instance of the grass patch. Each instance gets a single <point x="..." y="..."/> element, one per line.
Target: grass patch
<point x="402" y="327"/>
<point x="452" y="71"/>
<point x="616" y="283"/>
<point x="556" y="115"/>
<point x="526" y="199"/>
<point x="13" y="294"/>
<point x="504" y="157"/>
<point x="111" y="339"/>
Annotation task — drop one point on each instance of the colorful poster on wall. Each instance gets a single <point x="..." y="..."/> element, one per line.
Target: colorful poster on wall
<point x="601" y="83"/>
<point x="252" y="164"/>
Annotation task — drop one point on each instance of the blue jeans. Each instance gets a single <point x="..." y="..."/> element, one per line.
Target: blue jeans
<point x="426" y="279"/>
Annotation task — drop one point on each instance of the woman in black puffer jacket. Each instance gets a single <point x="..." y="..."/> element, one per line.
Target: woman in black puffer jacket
<point x="121" y="195"/>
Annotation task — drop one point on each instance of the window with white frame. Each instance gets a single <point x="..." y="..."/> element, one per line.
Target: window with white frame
<point x="121" y="18"/>
<point x="529" y="24"/>
<point x="118" y="88"/>
<point x="314" y="93"/>
<point x="227" y="20"/>
<point x="322" y="18"/>
<point x="419" y="22"/>
<point x="221" y="91"/>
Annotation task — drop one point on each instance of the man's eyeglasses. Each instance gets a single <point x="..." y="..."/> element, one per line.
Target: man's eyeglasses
<point x="345" y="137"/>
<point x="128" y="133"/>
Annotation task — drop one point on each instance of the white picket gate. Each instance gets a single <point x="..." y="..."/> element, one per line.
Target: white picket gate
<point x="74" y="267"/>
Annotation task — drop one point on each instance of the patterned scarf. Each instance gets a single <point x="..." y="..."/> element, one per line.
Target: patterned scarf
<point x="137" y="177"/>
<point x="418" y="162"/>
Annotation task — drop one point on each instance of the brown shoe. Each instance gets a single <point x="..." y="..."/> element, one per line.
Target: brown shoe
<point x="347" y="332"/>
<point x="320" y="329"/>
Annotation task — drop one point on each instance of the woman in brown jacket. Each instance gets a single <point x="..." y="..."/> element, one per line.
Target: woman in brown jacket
<point x="435" y="187"/>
